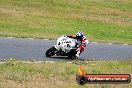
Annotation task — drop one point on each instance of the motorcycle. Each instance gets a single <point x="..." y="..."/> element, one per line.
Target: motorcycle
<point x="65" y="46"/>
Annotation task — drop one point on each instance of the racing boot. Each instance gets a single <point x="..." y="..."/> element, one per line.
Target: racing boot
<point x="77" y="54"/>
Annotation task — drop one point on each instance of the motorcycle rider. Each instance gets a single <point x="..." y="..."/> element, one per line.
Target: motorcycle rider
<point x="80" y="43"/>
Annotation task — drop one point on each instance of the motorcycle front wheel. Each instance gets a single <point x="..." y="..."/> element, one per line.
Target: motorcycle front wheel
<point x="72" y="54"/>
<point x="50" y="52"/>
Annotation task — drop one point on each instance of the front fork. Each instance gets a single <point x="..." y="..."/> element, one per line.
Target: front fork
<point x="59" y="51"/>
<point x="57" y="47"/>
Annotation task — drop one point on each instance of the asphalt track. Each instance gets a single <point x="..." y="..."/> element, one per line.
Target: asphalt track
<point x="34" y="49"/>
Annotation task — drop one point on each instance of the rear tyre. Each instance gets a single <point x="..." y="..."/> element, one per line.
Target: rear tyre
<point x="50" y="52"/>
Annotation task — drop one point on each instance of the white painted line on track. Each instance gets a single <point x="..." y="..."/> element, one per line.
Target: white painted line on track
<point x="125" y="44"/>
<point x="31" y="38"/>
<point x="69" y="62"/>
<point x="46" y="39"/>
<point x="34" y="62"/>
<point x="9" y="37"/>
<point x="2" y="62"/>
<point x="49" y="61"/>
<point x="110" y="43"/>
<point x="95" y="42"/>
<point x="49" y="39"/>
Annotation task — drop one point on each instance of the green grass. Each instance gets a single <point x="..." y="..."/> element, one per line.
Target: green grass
<point x="21" y="74"/>
<point x="100" y="20"/>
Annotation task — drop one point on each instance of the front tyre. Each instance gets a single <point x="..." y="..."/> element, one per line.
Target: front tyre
<point x="72" y="54"/>
<point x="50" y="52"/>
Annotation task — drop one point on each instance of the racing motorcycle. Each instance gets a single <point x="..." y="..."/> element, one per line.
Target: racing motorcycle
<point x="65" y="46"/>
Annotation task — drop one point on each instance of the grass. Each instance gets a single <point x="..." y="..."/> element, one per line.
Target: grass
<point x="21" y="74"/>
<point x="100" y="20"/>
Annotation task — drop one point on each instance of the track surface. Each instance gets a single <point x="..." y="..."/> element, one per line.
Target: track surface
<point x="34" y="49"/>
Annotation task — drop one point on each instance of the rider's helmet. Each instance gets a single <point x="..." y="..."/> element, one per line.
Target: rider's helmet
<point x="79" y="35"/>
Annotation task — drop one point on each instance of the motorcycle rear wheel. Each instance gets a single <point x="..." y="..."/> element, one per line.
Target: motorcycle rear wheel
<point x="50" y="52"/>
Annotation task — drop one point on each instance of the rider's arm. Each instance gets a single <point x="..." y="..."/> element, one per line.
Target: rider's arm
<point x="84" y="42"/>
